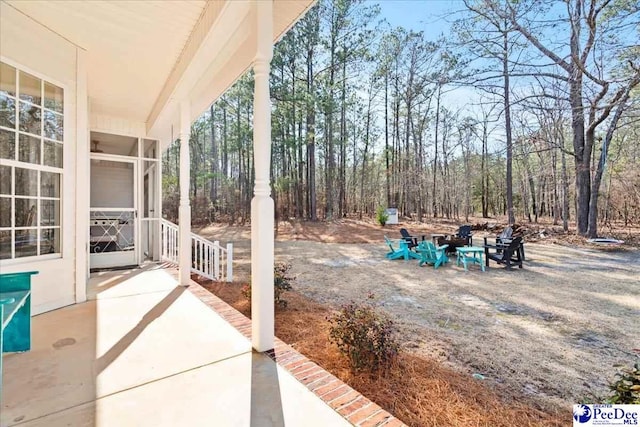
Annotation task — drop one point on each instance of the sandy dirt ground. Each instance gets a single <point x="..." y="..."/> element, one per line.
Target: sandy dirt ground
<point x="551" y="333"/>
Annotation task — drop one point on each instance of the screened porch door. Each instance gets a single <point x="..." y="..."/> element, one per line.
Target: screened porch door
<point x="113" y="230"/>
<point x="150" y="212"/>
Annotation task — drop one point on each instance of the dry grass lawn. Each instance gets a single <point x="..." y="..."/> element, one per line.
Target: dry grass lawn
<point x="548" y="335"/>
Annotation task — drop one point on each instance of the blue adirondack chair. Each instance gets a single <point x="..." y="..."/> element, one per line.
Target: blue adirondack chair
<point x="432" y="254"/>
<point x="402" y="251"/>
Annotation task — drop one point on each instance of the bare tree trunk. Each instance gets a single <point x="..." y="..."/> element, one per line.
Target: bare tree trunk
<point x="311" y="140"/>
<point x="582" y="157"/>
<point x="435" y="156"/>
<point x="565" y="189"/>
<point x="342" y="196"/>
<point x="386" y="138"/>
<point x="366" y="149"/>
<point x="606" y="143"/>
<point x="507" y="123"/>
<point x="213" y="190"/>
<point x="556" y="202"/>
<point x="484" y="176"/>
<point x="225" y="156"/>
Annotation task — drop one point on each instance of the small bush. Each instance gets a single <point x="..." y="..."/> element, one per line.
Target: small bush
<point x="626" y="388"/>
<point x="281" y="283"/>
<point x="382" y="216"/>
<point x="365" y="335"/>
<point x="246" y="291"/>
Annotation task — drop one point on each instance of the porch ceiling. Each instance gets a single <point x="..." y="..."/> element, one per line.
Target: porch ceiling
<point x="131" y="46"/>
<point x="143" y="57"/>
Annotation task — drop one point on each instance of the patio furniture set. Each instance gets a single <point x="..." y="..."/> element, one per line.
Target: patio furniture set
<point x="505" y="249"/>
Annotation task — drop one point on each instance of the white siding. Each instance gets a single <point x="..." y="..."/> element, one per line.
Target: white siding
<point x="116" y="125"/>
<point x="34" y="48"/>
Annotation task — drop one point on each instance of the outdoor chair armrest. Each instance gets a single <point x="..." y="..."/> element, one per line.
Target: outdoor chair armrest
<point x="495" y="238"/>
<point x="496" y="246"/>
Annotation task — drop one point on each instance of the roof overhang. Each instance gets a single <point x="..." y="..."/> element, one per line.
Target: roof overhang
<point x="145" y="57"/>
<point x="221" y="49"/>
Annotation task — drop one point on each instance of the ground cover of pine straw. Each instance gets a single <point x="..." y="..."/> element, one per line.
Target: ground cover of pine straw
<point x="418" y="390"/>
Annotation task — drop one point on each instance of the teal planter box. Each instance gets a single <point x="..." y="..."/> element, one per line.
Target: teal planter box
<point x="15" y="314"/>
<point x="15" y="311"/>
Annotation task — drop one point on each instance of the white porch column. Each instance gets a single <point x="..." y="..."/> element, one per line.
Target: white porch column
<point x="184" y="211"/>
<point x="82" y="177"/>
<point x="262" y="311"/>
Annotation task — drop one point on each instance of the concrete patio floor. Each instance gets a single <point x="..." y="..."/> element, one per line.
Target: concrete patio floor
<point x="146" y="352"/>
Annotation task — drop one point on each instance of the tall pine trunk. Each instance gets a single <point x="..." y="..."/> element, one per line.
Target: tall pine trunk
<point x="507" y="123"/>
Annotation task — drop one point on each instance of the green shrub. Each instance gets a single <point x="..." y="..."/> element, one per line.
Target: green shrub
<point x="382" y="216"/>
<point x="281" y="283"/>
<point x="626" y="388"/>
<point x="365" y="335"/>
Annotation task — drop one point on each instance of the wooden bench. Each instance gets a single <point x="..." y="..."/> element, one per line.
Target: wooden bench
<point x="15" y="314"/>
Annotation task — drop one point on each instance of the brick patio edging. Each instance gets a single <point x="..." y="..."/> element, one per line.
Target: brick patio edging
<point x="353" y="406"/>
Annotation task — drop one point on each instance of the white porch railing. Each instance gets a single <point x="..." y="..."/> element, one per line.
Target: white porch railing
<point x="208" y="259"/>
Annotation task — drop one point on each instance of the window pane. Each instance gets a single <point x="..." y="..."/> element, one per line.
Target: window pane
<point x="7" y="79"/>
<point x="26" y="212"/>
<point x="49" y="212"/>
<point x="5" y="244"/>
<point x="53" y="125"/>
<point x="30" y="88"/>
<point x="30" y="111"/>
<point x="29" y="149"/>
<point x="7" y="111"/>
<point x="49" y="241"/>
<point x="26" y="182"/>
<point x="26" y="243"/>
<point x="30" y="118"/>
<point x="7" y="144"/>
<point x="50" y="184"/>
<point x="52" y="154"/>
<point x="5" y="179"/>
<point x="5" y="212"/>
<point x="53" y="97"/>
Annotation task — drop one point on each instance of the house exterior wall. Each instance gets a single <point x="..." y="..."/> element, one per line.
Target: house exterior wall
<point x="35" y="49"/>
<point x="116" y="125"/>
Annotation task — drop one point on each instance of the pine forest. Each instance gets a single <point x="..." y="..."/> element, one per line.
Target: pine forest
<point x="528" y="110"/>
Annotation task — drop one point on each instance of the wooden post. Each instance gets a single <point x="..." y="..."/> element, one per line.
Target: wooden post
<point x="262" y="249"/>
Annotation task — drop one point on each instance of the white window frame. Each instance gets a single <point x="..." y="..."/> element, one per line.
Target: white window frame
<point x="38" y="167"/>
